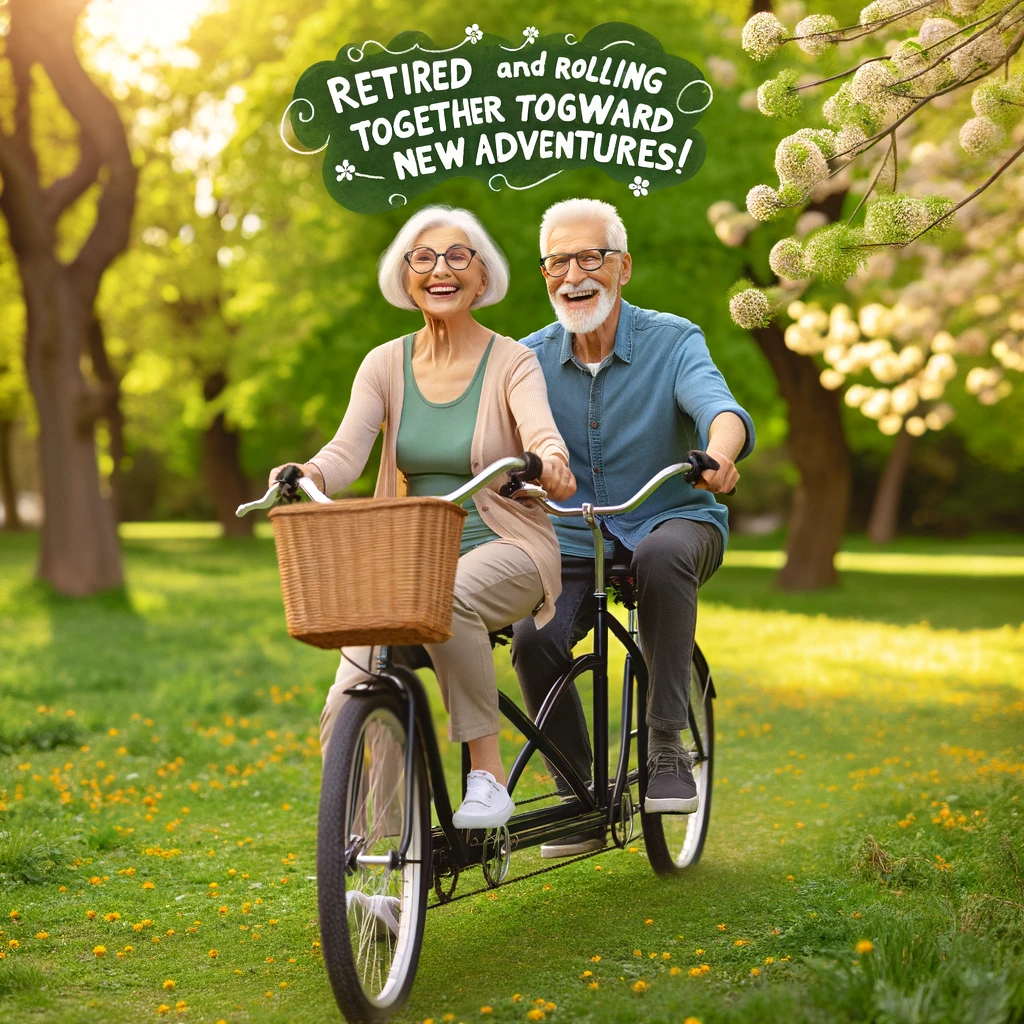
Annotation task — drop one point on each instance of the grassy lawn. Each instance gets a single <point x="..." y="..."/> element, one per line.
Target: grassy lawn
<point x="159" y="772"/>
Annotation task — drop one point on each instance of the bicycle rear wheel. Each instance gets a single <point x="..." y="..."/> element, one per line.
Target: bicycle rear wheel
<point x="675" y="841"/>
<point x="371" y="916"/>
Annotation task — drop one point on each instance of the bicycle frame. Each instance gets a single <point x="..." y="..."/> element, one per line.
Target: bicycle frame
<point x="603" y="806"/>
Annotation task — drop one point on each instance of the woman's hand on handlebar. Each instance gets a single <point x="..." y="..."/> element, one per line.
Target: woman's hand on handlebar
<point x="306" y="468"/>
<point x="557" y="479"/>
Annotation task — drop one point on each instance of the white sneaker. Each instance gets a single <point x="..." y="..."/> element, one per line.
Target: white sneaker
<point x="384" y="909"/>
<point x="487" y="803"/>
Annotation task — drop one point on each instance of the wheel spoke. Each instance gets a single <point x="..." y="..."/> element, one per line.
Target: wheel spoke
<point x="379" y="899"/>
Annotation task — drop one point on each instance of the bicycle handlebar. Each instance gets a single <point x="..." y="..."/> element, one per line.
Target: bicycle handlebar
<point x="690" y="471"/>
<point x="524" y="467"/>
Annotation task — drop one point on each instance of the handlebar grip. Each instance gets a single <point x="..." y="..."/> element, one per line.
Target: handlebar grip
<point x="289" y="476"/>
<point x="532" y="471"/>
<point x="288" y="480"/>
<point x="534" y="466"/>
<point x="700" y="461"/>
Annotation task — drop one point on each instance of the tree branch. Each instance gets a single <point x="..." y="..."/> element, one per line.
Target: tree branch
<point x="65" y="191"/>
<point x="874" y="180"/>
<point x="20" y="202"/>
<point x="104" y="142"/>
<point x="963" y="202"/>
<point x="962" y="44"/>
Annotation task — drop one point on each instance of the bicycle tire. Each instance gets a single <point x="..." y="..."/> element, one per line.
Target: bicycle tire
<point x="675" y="842"/>
<point x="370" y="963"/>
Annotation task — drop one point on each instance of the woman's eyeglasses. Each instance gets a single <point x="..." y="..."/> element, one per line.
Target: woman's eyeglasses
<point x="423" y="259"/>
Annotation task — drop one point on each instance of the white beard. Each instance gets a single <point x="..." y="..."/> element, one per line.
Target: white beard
<point x="580" y="321"/>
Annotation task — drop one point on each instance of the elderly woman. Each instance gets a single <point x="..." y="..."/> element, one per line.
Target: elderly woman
<point x="453" y="398"/>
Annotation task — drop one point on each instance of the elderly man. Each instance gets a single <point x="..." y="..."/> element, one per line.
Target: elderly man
<point x="632" y="390"/>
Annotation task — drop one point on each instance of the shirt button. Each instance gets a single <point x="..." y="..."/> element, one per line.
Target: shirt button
<point x="476" y="465"/>
<point x="597" y="469"/>
<point x="593" y="424"/>
<point x="485" y="508"/>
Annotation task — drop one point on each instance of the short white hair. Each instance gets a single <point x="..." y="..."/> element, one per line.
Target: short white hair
<point x="392" y="266"/>
<point x="572" y="211"/>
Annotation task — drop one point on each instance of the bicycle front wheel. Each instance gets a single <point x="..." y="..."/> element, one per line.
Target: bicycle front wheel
<point x="675" y="841"/>
<point x="371" y="915"/>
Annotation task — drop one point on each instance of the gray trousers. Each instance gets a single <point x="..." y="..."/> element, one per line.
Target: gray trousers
<point x="668" y="566"/>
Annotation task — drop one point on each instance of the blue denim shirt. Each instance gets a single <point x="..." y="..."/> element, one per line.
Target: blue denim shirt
<point x="652" y="401"/>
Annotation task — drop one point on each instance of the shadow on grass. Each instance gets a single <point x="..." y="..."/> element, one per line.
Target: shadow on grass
<point x="944" y="602"/>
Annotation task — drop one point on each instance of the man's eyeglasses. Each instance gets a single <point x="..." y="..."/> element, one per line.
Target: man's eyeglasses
<point x="423" y="259"/>
<point x="557" y="264"/>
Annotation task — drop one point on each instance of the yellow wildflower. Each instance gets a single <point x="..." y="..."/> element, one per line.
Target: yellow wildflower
<point x="99" y="950"/>
<point x="864" y="946"/>
<point x="639" y="986"/>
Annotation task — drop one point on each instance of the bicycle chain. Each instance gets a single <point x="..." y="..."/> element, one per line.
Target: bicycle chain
<point x="532" y="874"/>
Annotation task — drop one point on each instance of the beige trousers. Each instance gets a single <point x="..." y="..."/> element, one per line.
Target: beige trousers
<point x="495" y="584"/>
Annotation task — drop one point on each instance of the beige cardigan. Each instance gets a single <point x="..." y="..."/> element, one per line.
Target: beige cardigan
<point x="513" y="416"/>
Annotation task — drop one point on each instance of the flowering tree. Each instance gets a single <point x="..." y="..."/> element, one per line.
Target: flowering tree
<point x="897" y="356"/>
<point x="879" y="95"/>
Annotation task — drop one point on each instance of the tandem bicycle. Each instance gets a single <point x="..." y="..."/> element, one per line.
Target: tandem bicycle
<point x="380" y="852"/>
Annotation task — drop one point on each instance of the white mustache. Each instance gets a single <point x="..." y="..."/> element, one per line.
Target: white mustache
<point x="568" y="288"/>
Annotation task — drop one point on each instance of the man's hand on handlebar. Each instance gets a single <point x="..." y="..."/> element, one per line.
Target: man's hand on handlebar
<point x="557" y="479"/>
<point x="307" y="469"/>
<point x="719" y="481"/>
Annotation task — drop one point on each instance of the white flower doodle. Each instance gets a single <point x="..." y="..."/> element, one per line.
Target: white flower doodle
<point x="639" y="186"/>
<point x="345" y="170"/>
<point x="474" y="33"/>
<point x="531" y="34"/>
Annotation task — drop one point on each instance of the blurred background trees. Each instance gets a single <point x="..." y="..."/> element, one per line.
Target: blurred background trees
<point x="226" y="336"/>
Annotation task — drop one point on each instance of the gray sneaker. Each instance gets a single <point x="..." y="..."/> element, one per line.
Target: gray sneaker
<point x="574" y="845"/>
<point x="670" y="785"/>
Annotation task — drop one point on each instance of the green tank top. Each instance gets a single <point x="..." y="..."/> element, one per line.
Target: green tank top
<point x="434" y="444"/>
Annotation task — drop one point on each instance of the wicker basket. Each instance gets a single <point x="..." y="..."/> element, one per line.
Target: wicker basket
<point x="369" y="570"/>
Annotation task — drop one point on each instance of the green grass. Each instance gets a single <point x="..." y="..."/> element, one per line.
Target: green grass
<point x="870" y="770"/>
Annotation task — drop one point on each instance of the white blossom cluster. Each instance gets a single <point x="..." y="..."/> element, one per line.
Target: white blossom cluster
<point x="816" y="33"/>
<point x="916" y="371"/>
<point x="763" y="35"/>
<point x="751" y="308"/>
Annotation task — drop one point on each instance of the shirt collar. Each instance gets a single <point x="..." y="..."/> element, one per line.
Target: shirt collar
<point x="623" y="337"/>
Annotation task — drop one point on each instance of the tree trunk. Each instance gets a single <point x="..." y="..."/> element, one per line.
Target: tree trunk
<point x="8" y="490"/>
<point x="817" y="445"/>
<point x="110" y="388"/>
<point x="885" y="510"/>
<point x="222" y="467"/>
<point x="79" y="553"/>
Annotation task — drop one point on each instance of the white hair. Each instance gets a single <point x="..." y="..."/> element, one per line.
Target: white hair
<point x="392" y="266"/>
<point x="571" y="211"/>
